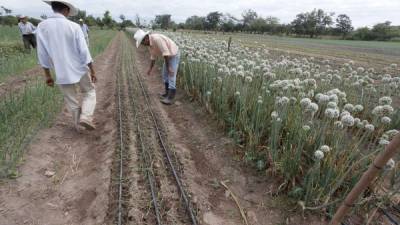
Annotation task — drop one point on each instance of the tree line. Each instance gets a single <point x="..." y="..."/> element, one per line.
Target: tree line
<point x="106" y="21"/>
<point x="311" y="24"/>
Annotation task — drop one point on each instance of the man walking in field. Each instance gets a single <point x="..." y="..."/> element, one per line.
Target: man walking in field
<point x="62" y="47"/>
<point x="85" y="30"/>
<point x="27" y="29"/>
<point x="162" y="46"/>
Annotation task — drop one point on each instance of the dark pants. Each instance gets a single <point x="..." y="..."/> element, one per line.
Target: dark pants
<point x="29" y="40"/>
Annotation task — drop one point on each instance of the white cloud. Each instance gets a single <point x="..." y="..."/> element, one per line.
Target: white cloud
<point x="362" y="12"/>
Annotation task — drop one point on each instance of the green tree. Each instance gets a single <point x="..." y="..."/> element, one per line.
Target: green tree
<point x="213" y="20"/>
<point x="228" y="23"/>
<point x="383" y="31"/>
<point x="312" y="23"/>
<point x="100" y="23"/>
<point x="90" y="20"/>
<point x="258" y="25"/>
<point x="195" y="23"/>
<point x="107" y="20"/>
<point x="343" y="25"/>
<point x="138" y="21"/>
<point x="81" y="15"/>
<point x="163" y="21"/>
<point x="248" y="16"/>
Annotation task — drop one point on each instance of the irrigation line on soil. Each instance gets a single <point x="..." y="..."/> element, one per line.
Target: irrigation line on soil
<point x="166" y="151"/>
<point x="120" y="154"/>
<point x="149" y="170"/>
<point x="390" y="218"/>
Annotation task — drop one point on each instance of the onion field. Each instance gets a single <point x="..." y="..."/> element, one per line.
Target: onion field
<point x="314" y="125"/>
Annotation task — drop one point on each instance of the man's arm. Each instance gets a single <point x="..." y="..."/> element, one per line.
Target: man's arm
<point x="152" y="63"/>
<point x="44" y="59"/>
<point x="92" y="73"/>
<point x="49" y="79"/>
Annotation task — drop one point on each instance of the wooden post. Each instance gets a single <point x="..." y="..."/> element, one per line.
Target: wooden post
<point x="229" y="43"/>
<point x="369" y="176"/>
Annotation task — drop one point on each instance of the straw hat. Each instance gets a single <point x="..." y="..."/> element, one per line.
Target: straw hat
<point x="73" y="11"/>
<point x="139" y="35"/>
<point x="22" y="16"/>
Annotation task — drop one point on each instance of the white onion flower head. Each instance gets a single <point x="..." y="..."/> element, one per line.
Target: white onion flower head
<point x="384" y="142"/>
<point x="208" y="93"/>
<point x="338" y="125"/>
<point x="390" y="164"/>
<point x="348" y="121"/>
<point x="331" y="113"/>
<point x="332" y="105"/>
<point x="369" y="127"/>
<point x="305" y="102"/>
<point x="325" y="148"/>
<point x="387" y="110"/>
<point x="313" y="108"/>
<point x="274" y="115"/>
<point x="360" y="125"/>
<point x="260" y="101"/>
<point x="237" y="93"/>
<point x="391" y="133"/>
<point x="248" y="79"/>
<point x="349" y="107"/>
<point x="319" y="155"/>
<point x="386" y="120"/>
<point x="306" y="128"/>
<point x="283" y="101"/>
<point x="377" y="111"/>
<point x="344" y="113"/>
<point x="359" y="108"/>
<point x="386" y="100"/>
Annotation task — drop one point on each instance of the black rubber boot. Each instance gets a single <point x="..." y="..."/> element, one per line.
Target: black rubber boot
<point x="170" y="99"/>
<point x="164" y="95"/>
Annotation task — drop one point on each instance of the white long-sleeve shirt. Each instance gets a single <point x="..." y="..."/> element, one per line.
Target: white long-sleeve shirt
<point x="85" y="30"/>
<point x="61" y="46"/>
<point x="26" y="28"/>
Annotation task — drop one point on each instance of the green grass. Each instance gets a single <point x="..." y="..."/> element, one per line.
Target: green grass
<point x="21" y="116"/>
<point x="24" y="113"/>
<point x="16" y="60"/>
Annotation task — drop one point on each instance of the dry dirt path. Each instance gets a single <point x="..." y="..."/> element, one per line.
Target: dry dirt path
<point x="78" y="192"/>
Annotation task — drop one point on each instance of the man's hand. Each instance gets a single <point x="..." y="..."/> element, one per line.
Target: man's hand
<point x="49" y="79"/>
<point x="170" y="71"/>
<point x="50" y="82"/>
<point x="93" y="77"/>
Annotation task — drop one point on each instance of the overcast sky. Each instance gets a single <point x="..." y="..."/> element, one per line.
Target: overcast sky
<point x="362" y="12"/>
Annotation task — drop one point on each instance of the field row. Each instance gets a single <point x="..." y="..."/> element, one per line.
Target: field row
<point x="24" y="113"/>
<point x="314" y="125"/>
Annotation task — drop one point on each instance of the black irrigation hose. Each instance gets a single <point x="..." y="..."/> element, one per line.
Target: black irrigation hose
<point x="390" y="218"/>
<point x="121" y="147"/>
<point x="149" y="171"/>
<point x="166" y="151"/>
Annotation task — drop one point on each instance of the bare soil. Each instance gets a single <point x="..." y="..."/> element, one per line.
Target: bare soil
<point x="78" y="191"/>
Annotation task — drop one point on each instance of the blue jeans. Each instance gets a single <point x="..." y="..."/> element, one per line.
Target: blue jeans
<point x="174" y="63"/>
